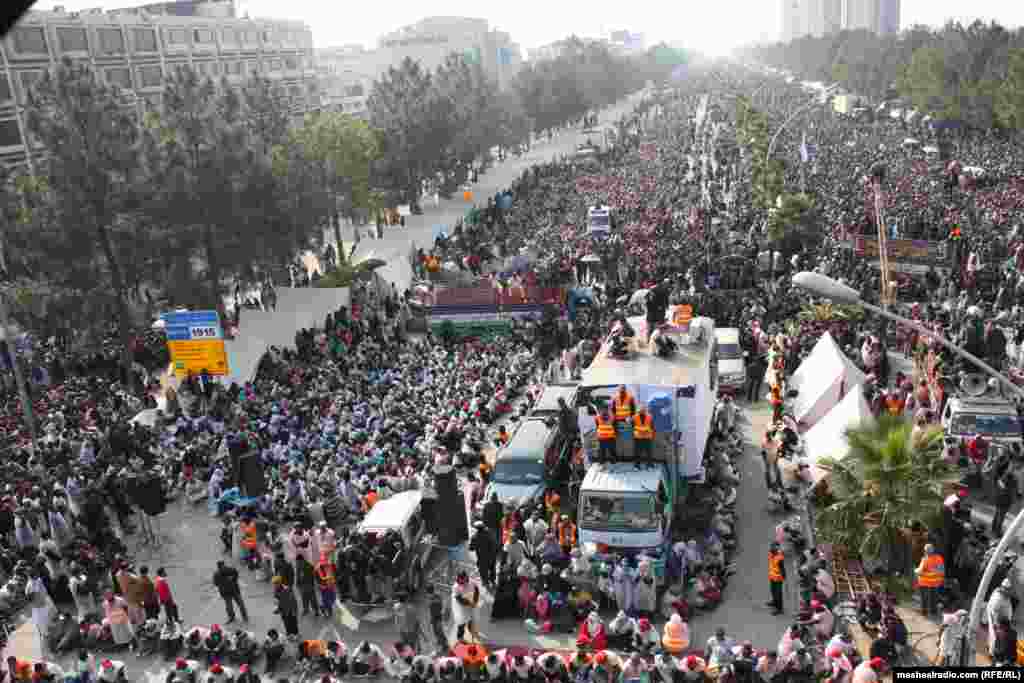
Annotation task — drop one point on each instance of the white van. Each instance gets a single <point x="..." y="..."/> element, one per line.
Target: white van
<point x="732" y="368"/>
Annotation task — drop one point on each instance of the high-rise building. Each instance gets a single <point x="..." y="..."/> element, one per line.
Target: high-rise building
<point x="346" y="78"/>
<point x="877" y="16"/>
<point x="889" y="17"/>
<point x="810" y="17"/>
<point x="137" y="49"/>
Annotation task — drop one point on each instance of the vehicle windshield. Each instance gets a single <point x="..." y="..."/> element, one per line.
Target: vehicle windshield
<point x="966" y="424"/>
<point x="619" y="512"/>
<point x="729" y="351"/>
<point x="518" y="472"/>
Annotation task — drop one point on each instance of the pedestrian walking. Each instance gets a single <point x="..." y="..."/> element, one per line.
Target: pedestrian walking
<point x="150" y="599"/>
<point x="486" y="551"/>
<point x="776" y="577"/>
<point x="226" y="581"/>
<point x="35" y="591"/>
<point x="166" y="598"/>
<point x="931" y="576"/>
<point x="307" y="586"/>
<point x="288" y="608"/>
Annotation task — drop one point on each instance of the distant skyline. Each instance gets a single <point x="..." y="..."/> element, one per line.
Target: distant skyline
<point x="714" y="28"/>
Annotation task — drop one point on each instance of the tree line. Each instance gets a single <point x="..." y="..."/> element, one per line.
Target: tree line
<point x="436" y="125"/>
<point x="973" y="74"/>
<point x="123" y="211"/>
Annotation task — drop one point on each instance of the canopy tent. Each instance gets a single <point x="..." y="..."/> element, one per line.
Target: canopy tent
<point x="827" y="439"/>
<point x="822" y="381"/>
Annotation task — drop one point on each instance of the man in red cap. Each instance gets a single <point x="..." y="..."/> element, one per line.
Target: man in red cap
<point x="869" y="671"/>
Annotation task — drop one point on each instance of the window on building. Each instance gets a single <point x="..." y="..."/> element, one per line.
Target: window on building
<point x="153" y="101"/>
<point x="150" y="76"/>
<point x="111" y="41"/>
<point x="177" y="36"/>
<point x="229" y="35"/>
<point x="252" y="66"/>
<point x="144" y="39"/>
<point x="232" y="68"/>
<point x="5" y="88"/>
<point x="291" y="63"/>
<point x="294" y="91"/>
<point x="119" y="76"/>
<point x="72" y="40"/>
<point x="251" y="37"/>
<point x="266" y="36"/>
<point x="275" y="65"/>
<point x="29" y="40"/>
<point x="10" y="135"/>
<point x="202" y="36"/>
<point x="354" y="90"/>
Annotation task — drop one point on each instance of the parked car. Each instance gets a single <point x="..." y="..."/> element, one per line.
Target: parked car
<point x="403" y="512"/>
<point x="732" y="367"/>
<point x="521" y="468"/>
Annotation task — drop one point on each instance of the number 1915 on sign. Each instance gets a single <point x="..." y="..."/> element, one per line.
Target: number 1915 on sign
<point x="208" y="332"/>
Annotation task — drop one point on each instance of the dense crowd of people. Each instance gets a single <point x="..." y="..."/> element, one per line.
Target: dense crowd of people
<point x="359" y="411"/>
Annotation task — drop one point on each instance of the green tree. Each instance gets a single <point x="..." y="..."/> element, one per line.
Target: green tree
<point x="888" y="479"/>
<point x="94" y="175"/>
<point x="1010" y="95"/>
<point x="207" y="166"/>
<point x="341" y="150"/>
<point x="402" y="106"/>
<point x="266" y="114"/>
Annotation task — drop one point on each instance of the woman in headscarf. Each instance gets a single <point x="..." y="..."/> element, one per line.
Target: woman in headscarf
<point x="40" y="601"/>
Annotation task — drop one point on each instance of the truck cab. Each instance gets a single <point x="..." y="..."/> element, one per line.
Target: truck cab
<point x="993" y="417"/>
<point x="628" y="506"/>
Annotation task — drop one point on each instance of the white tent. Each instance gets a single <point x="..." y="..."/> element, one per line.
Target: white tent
<point x="827" y="439"/>
<point x="822" y="381"/>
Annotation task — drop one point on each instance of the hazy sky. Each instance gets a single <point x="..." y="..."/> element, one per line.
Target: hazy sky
<point x="711" y="26"/>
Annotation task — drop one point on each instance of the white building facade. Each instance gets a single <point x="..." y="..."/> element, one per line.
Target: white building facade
<point x="136" y="50"/>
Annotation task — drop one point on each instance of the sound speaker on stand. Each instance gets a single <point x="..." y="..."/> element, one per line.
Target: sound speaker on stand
<point x="452" y="522"/>
<point x="250" y="476"/>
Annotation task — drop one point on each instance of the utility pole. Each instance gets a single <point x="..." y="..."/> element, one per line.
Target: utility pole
<point x="26" y="400"/>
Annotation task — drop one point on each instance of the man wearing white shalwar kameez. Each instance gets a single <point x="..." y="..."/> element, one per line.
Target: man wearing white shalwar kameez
<point x="35" y="591"/>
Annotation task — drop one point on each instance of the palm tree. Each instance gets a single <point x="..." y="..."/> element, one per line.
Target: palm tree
<point x="890" y="478"/>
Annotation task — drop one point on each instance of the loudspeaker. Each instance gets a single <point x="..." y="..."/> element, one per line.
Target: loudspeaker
<point x="430" y="514"/>
<point x="250" y="476"/>
<point x="452" y="524"/>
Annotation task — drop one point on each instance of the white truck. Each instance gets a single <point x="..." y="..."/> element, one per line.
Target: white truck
<point x="628" y="506"/>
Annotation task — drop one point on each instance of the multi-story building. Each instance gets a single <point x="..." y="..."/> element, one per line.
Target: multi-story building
<point x="810" y="17"/>
<point x="431" y="40"/>
<point x="877" y="16"/>
<point x="627" y="43"/>
<point x="347" y="73"/>
<point x="346" y="78"/>
<point x="137" y="49"/>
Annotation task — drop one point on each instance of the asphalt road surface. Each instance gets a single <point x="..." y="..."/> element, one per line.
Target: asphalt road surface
<point x="418" y="230"/>
<point x="190" y="547"/>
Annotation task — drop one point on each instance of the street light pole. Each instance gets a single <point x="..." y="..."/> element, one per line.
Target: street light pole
<point x="825" y="286"/>
<point x="19" y="379"/>
<point x="799" y="110"/>
<point x="829" y="288"/>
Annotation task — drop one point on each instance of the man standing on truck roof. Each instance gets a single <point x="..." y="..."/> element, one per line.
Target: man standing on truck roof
<point x="623" y="406"/>
<point x="606" y="436"/>
<point x="643" y="435"/>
